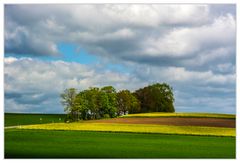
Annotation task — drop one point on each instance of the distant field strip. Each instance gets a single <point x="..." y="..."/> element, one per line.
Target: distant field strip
<point x="12" y="119"/>
<point x="199" y="115"/>
<point x="137" y="128"/>
<point x="173" y="121"/>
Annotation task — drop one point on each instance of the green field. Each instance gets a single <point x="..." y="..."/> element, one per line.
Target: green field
<point x="50" y="138"/>
<point x="12" y="119"/>
<point x="77" y="144"/>
<point x="137" y="128"/>
<point x="189" y="115"/>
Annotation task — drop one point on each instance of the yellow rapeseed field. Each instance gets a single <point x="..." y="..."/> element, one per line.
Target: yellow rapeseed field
<point x="137" y="128"/>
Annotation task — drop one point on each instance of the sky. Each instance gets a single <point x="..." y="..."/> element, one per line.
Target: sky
<point x="48" y="48"/>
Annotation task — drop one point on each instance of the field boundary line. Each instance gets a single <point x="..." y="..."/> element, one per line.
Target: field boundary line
<point x="10" y="127"/>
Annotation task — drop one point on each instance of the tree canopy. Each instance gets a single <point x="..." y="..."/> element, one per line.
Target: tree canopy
<point x="156" y="98"/>
<point x="127" y="102"/>
<point x="106" y="102"/>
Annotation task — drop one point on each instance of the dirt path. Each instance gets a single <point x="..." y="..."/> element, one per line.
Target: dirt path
<point x="212" y="122"/>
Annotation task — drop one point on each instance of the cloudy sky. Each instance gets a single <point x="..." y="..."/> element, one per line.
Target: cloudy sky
<point x="49" y="48"/>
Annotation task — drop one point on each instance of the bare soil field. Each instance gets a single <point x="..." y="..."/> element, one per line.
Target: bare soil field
<point x="176" y="121"/>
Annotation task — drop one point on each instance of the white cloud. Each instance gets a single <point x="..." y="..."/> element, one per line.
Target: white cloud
<point x="138" y="33"/>
<point x="182" y="42"/>
<point x="192" y="47"/>
<point x="181" y="75"/>
<point x="225" y="68"/>
<point x="204" y="78"/>
<point x="155" y="15"/>
<point x="9" y="60"/>
<point x="31" y="82"/>
<point x="35" y="85"/>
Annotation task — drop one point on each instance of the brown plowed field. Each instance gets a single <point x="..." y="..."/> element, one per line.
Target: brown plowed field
<point x="176" y="121"/>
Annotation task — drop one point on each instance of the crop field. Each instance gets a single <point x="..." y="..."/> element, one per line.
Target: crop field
<point x="175" y="121"/>
<point x="77" y="144"/>
<point x="137" y="128"/>
<point x="135" y="137"/>
<point x="189" y="115"/>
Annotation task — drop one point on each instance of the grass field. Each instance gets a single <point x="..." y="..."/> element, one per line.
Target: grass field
<point x="12" y="119"/>
<point x="50" y="138"/>
<point x="137" y="128"/>
<point x="200" y="115"/>
<point x="77" y="144"/>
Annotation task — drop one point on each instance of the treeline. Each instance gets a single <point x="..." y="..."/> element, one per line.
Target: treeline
<point x="106" y="102"/>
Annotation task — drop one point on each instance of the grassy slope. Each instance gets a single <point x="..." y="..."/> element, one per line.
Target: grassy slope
<point x="77" y="144"/>
<point x="158" y="114"/>
<point x="137" y="128"/>
<point x="12" y="119"/>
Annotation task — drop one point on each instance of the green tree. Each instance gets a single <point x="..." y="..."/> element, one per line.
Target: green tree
<point x="68" y="101"/>
<point x="81" y="105"/>
<point x="135" y="105"/>
<point x="127" y="102"/>
<point x="92" y="97"/>
<point x="156" y="98"/>
<point x="95" y="103"/>
<point x="109" y="101"/>
<point x="104" y="104"/>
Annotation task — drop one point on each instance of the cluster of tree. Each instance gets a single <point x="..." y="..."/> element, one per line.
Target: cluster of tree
<point x="106" y="102"/>
<point x="156" y="98"/>
<point x="96" y="103"/>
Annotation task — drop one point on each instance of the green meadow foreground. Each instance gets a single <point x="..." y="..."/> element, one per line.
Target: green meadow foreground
<point x="90" y="139"/>
<point x="77" y="144"/>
